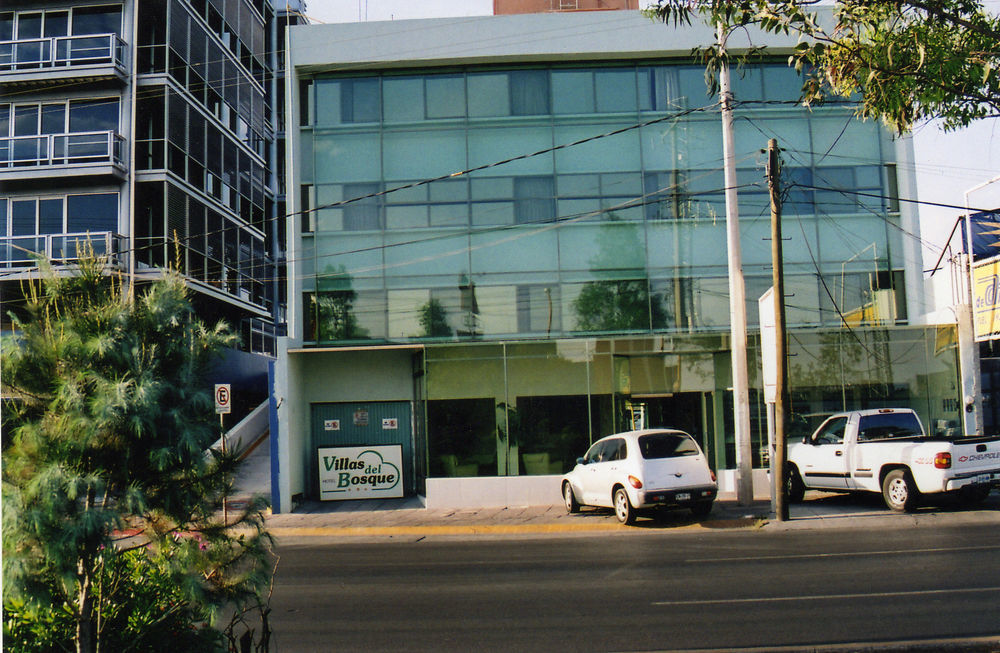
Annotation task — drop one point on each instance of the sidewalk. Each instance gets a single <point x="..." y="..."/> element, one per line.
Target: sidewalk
<point x="407" y="518"/>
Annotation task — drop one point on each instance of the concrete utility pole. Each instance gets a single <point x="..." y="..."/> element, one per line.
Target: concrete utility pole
<point x="737" y="292"/>
<point x="780" y="344"/>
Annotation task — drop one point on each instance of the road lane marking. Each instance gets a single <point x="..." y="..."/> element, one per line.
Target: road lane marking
<point x="845" y="554"/>
<point x="820" y="597"/>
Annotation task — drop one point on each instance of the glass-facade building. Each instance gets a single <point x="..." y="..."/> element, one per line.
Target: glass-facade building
<point x="544" y="235"/>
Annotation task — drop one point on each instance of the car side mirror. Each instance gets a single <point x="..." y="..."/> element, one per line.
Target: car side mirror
<point x="581" y="461"/>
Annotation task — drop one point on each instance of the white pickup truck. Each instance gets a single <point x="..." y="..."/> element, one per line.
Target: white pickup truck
<point x="886" y="450"/>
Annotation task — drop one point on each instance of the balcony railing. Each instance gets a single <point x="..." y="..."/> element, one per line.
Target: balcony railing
<point x="77" y="148"/>
<point x="21" y="251"/>
<point x="62" y="51"/>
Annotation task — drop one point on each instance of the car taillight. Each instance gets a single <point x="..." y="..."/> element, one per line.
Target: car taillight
<point x="712" y="472"/>
<point x="634" y="482"/>
<point x="942" y="460"/>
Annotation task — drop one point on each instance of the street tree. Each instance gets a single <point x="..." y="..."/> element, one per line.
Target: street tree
<point x="905" y="61"/>
<point x="106" y="481"/>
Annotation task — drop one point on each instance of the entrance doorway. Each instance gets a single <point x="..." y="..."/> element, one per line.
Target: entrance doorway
<point x="362" y="424"/>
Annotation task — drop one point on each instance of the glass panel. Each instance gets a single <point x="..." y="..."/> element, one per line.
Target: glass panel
<point x="531" y="250"/>
<point x="489" y="95"/>
<point x="22" y="217"/>
<point x="446" y="97"/>
<point x="29" y="26"/>
<point x="534" y="199"/>
<point x="782" y="83"/>
<point x="347" y="157"/>
<point x="26" y="120"/>
<point x="56" y="23"/>
<point x="50" y="216"/>
<point x="93" y="115"/>
<point x="529" y="92"/>
<point x="490" y="145"/>
<point x="435" y="253"/>
<point x="614" y="249"/>
<point x="615" y="90"/>
<point x="423" y="154"/>
<point x="608" y="154"/>
<point x="53" y="118"/>
<point x="94" y="212"/>
<point x="359" y="100"/>
<point x="97" y="20"/>
<point x="404" y="99"/>
<point x="463" y="438"/>
<point x="572" y="91"/>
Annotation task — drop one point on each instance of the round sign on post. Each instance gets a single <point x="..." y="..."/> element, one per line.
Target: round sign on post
<point x="223" y="398"/>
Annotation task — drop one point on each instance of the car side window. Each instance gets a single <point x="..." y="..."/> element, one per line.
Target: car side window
<point x="832" y="432"/>
<point x="594" y="453"/>
<point x="616" y="450"/>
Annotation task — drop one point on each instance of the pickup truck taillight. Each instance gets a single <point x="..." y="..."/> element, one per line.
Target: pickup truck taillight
<point x="942" y="460"/>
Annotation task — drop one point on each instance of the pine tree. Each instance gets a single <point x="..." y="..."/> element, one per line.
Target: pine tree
<point x="108" y="454"/>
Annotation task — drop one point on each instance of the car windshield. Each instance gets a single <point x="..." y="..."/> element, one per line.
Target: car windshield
<point x="667" y="445"/>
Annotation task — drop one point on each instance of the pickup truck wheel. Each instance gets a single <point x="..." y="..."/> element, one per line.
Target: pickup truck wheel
<point x="795" y="489"/>
<point x="623" y="507"/>
<point x="899" y="491"/>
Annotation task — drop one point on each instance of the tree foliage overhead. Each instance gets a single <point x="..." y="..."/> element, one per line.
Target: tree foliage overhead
<point x="908" y="60"/>
<point x="107" y="452"/>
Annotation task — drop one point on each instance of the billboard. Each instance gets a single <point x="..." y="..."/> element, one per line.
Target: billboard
<point x="985" y="283"/>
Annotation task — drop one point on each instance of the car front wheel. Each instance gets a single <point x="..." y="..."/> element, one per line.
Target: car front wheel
<point x="569" y="498"/>
<point x="623" y="507"/>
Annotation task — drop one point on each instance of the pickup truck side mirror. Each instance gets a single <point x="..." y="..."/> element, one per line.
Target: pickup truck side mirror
<point x="806" y="440"/>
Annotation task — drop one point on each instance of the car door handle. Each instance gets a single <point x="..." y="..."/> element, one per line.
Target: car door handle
<point x="838" y="453"/>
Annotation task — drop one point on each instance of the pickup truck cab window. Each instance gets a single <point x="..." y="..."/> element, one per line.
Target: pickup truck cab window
<point x="832" y="432"/>
<point x="885" y="426"/>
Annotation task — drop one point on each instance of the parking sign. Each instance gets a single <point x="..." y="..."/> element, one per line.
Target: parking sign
<point x="223" y="399"/>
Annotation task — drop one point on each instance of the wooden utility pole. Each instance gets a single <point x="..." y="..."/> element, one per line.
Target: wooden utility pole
<point x="780" y="348"/>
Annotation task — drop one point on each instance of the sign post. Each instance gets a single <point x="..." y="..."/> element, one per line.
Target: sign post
<point x="223" y="406"/>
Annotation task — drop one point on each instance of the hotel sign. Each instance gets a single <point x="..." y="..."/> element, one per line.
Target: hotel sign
<point x="985" y="288"/>
<point x="360" y="472"/>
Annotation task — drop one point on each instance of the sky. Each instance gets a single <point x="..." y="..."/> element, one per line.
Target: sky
<point x="947" y="164"/>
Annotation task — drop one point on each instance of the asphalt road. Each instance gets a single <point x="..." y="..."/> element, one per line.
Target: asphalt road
<point x="639" y="590"/>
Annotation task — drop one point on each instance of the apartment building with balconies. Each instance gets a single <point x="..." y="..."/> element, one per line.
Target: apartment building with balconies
<point x="148" y="129"/>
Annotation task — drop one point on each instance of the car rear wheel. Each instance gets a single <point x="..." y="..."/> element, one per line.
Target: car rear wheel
<point x="899" y="491"/>
<point x="701" y="509"/>
<point x="569" y="498"/>
<point x="623" y="507"/>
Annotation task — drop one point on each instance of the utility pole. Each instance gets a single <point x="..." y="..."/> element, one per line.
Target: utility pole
<point x="737" y="292"/>
<point x="780" y="345"/>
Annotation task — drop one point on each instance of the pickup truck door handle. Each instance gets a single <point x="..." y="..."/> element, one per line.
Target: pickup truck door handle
<point x="838" y="452"/>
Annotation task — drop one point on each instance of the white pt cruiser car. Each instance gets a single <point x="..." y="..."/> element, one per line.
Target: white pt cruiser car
<point x="638" y="470"/>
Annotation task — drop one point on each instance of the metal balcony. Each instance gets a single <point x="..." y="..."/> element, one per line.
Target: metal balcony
<point x="22" y="252"/>
<point x="38" y="61"/>
<point x="74" y="154"/>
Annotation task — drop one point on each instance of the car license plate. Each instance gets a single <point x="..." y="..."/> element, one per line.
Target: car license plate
<point x="682" y="496"/>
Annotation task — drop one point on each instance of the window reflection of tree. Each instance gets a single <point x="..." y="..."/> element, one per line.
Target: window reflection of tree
<point x="619" y="300"/>
<point x="334" y="309"/>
